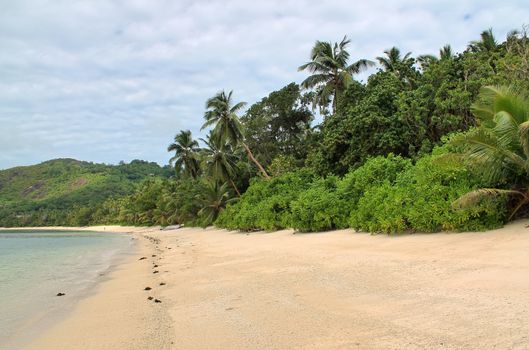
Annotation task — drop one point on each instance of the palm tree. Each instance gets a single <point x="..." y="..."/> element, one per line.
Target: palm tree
<point x="445" y="53"/>
<point x="220" y="160"/>
<point x="393" y="62"/>
<point x="399" y="66"/>
<point x="500" y="145"/>
<point x="331" y="73"/>
<point x="227" y="126"/>
<point x="186" y="153"/>
<point x="487" y="42"/>
<point x="212" y="199"/>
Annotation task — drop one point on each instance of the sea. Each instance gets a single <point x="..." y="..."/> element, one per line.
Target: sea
<point x="37" y="265"/>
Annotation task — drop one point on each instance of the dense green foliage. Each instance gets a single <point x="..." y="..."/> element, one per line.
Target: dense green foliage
<point x="420" y="199"/>
<point x="379" y="161"/>
<point x="266" y="205"/>
<point x="499" y="147"/>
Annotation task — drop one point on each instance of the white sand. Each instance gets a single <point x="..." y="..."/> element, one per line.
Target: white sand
<point x="333" y="290"/>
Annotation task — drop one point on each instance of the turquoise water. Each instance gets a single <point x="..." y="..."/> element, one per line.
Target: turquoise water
<point x="36" y="265"/>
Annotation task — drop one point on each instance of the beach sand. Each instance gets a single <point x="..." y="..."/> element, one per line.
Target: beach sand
<point x="333" y="290"/>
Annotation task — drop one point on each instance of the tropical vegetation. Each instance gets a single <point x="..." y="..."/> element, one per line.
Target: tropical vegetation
<point x="426" y="143"/>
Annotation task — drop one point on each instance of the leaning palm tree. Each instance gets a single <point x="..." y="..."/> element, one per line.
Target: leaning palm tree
<point x="220" y="161"/>
<point x="212" y="199"/>
<point x="331" y="73"/>
<point x="222" y="114"/>
<point x="186" y="153"/>
<point x="500" y="145"/>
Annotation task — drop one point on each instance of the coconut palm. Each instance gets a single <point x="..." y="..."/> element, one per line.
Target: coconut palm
<point x="487" y="42"/>
<point x="445" y="53"/>
<point x="500" y="145"/>
<point x="222" y="114"/>
<point x="220" y="161"/>
<point x="399" y="66"/>
<point x="186" y="153"/>
<point x="393" y="61"/>
<point x="331" y="73"/>
<point x="212" y="199"/>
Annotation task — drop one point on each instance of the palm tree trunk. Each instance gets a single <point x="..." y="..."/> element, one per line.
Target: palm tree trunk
<point x="334" y="101"/>
<point x="235" y="188"/>
<point x="250" y="155"/>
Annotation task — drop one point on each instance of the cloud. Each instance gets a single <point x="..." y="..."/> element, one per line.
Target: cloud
<point x="115" y="80"/>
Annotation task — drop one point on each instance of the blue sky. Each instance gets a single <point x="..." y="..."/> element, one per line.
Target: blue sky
<point x="106" y="81"/>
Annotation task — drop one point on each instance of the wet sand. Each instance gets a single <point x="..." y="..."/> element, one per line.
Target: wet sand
<point x="333" y="290"/>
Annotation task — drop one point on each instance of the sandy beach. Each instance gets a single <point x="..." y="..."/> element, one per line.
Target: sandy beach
<point x="333" y="290"/>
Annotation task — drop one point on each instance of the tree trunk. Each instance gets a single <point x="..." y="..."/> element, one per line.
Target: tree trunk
<point x="335" y="101"/>
<point x="235" y="187"/>
<point x="250" y="155"/>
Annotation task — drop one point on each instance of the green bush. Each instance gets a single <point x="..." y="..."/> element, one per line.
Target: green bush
<point x="319" y="208"/>
<point x="266" y="205"/>
<point x="421" y="199"/>
<point x="328" y="203"/>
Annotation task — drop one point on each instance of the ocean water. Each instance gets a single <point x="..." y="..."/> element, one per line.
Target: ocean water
<point x="36" y="265"/>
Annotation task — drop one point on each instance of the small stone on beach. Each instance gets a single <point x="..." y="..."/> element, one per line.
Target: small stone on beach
<point x="157" y="301"/>
<point x="60" y="294"/>
<point x="150" y="298"/>
<point x="162" y="283"/>
<point x="147" y="288"/>
<point x="156" y="271"/>
<point x="143" y="258"/>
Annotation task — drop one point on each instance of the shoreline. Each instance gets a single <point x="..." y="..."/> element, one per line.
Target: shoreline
<point x="108" y="306"/>
<point x="54" y="310"/>
<point x="329" y="290"/>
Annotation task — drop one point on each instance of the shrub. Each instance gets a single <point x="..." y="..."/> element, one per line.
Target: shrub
<point x="266" y="205"/>
<point x="319" y="208"/>
<point x="421" y="199"/>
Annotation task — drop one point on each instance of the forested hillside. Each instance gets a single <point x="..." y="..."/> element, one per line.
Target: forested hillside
<point x="67" y="191"/>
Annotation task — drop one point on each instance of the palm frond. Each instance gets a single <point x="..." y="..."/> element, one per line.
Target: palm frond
<point x="473" y="198"/>
<point x="523" y="131"/>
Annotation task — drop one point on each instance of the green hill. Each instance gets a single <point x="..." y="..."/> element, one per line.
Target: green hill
<point x="67" y="191"/>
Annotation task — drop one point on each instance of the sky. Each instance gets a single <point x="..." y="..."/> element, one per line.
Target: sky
<point x="109" y="80"/>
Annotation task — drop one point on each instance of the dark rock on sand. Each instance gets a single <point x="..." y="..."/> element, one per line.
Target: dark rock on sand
<point x="60" y="294"/>
<point x="150" y="298"/>
<point x="147" y="288"/>
<point x="157" y="301"/>
<point x="143" y="258"/>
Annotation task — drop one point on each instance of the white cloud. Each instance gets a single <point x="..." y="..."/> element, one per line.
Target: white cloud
<point x="112" y="80"/>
